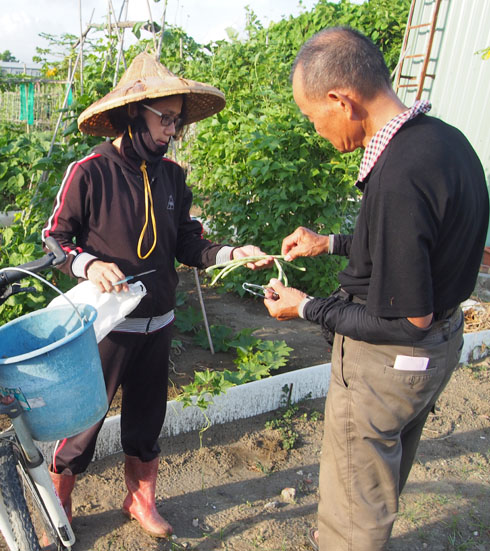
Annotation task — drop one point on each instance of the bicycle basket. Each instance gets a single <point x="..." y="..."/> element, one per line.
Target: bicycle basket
<point x="50" y="361"/>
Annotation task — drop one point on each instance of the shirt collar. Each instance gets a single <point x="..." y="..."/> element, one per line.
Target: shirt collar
<point x="382" y="138"/>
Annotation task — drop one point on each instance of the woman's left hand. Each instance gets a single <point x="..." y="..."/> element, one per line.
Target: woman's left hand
<point x="252" y="250"/>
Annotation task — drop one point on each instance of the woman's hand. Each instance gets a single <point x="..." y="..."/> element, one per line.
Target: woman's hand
<point x="251" y="250"/>
<point x="304" y="242"/>
<point x="104" y="274"/>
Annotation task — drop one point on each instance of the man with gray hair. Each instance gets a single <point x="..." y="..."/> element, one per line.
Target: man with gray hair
<point x="414" y="257"/>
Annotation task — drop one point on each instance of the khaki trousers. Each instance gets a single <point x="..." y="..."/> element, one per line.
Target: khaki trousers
<point x="374" y="416"/>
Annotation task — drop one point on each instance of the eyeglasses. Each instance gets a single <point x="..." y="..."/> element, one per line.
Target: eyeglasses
<point x="165" y="119"/>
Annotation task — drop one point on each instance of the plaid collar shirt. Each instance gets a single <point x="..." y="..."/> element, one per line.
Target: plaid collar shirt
<point x="382" y="138"/>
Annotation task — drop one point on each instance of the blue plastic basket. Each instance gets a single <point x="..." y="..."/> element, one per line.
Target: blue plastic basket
<point x="50" y="361"/>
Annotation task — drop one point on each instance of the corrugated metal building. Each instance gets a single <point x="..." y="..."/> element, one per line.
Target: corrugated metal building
<point x="446" y="40"/>
<point x="16" y="68"/>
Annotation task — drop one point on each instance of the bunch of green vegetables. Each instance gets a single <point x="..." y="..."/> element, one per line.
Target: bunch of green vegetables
<point x="226" y="268"/>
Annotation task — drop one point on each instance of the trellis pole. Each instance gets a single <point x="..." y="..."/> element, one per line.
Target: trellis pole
<point x="120" y="53"/>
<point x="109" y="37"/>
<point x="174" y="149"/>
<point x="26" y="213"/>
<point x="152" y="27"/>
<point x="158" y="53"/>
<point x="70" y="83"/>
<point x="81" y="45"/>
<point x="203" y="309"/>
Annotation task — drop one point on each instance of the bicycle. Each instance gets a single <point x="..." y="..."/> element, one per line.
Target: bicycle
<point x="31" y="515"/>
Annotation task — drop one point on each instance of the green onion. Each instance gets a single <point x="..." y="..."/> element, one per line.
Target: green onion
<point x="227" y="267"/>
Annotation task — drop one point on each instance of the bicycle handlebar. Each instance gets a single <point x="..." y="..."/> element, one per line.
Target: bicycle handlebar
<point x="56" y="256"/>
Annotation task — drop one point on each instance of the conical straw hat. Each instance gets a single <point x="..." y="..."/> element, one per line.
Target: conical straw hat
<point x="146" y="78"/>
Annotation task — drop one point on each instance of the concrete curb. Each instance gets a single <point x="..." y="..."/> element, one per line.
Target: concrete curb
<point x="251" y="399"/>
<point x="475" y="346"/>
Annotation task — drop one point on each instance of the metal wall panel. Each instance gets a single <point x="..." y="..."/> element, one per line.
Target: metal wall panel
<point x="460" y="91"/>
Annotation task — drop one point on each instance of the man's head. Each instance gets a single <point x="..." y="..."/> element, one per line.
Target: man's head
<point x="340" y="57"/>
<point x="335" y="76"/>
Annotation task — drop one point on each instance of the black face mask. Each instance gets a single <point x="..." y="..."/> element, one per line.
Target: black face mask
<point x="137" y="144"/>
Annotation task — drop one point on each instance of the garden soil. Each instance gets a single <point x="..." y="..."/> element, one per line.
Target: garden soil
<point x="237" y="487"/>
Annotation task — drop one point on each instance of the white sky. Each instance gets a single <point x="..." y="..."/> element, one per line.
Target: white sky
<point x="21" y="21"/>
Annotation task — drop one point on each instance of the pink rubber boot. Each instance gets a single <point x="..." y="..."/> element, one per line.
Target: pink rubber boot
<point x="64" y="484"/>
<point x="139" y="504"/>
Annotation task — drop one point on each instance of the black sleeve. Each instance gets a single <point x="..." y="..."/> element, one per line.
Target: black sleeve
<point x="341" y="244"/>
<point x="192" y="248"/>
<point x="337" y="315"/>
<point x="66" y="221"/>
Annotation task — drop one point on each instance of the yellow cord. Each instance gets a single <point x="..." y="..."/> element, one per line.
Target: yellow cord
<point x="147" y="195"/>
<point x="152" y="213"/>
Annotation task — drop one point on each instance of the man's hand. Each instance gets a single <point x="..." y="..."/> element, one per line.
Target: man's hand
<point x="104" y="274"/>
<point x="286" y="306"/>
<point x="251" y="250"/>
<point x="304" y="242"/>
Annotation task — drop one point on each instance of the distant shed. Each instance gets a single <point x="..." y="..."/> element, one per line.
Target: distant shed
<point x="445" y="60"/>
<point x="16" y="68"/>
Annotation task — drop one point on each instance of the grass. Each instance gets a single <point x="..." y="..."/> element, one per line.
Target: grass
<point x="449" y="521"/>
<point x="286" y="417"/>
<point x="479" y="370"/>
<point x="457" y="538"/>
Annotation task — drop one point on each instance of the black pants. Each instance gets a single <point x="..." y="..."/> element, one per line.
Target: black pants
<point x="139" y="364"/>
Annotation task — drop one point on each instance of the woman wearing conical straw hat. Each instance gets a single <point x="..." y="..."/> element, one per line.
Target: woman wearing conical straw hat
<point x="123" y="210"/>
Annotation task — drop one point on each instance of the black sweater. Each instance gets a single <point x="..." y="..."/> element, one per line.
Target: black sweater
<point x="419" y="236"/>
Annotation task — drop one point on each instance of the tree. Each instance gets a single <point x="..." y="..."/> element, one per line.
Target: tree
<point x="7" y="56"/>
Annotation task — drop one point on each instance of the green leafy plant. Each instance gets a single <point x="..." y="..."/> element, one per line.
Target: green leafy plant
<point x="258" y="168"/>
<point x="24" y="162"/>
<point x="220" y="335"/>
<point x="254" y="361"/>
<point x="244" y="339"/>
<point x="284" y="420"/>
<point x="180" y="298"/>
<point x="188" y="320"/>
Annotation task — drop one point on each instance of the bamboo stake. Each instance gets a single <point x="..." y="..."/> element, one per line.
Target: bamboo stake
<point x="81" y="45"/>
<point x="162" y="30"/>
<point x="152" y="27"/>
<point x="109" y="39"/>
<point x="121" y="47"/>
<point x="120" y="54"/>
<point x="44" y="175"/>
<point x="205" y="318"/>
<point x="67" y="93"/>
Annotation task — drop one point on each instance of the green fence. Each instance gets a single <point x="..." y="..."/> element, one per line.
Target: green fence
<point x="35" y="103"/>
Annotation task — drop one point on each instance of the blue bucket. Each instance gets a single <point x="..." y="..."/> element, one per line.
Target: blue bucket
<point x="49" y="360"/>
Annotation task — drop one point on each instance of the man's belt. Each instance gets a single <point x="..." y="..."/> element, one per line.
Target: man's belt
<point x="438" y="316"/>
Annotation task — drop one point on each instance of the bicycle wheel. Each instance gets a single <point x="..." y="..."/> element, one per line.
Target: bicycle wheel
<point x="27" y="515"/>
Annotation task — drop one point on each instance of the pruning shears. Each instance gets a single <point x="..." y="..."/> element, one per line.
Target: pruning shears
<point x="259" y="290"/>
<point x="129" y="278"/>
